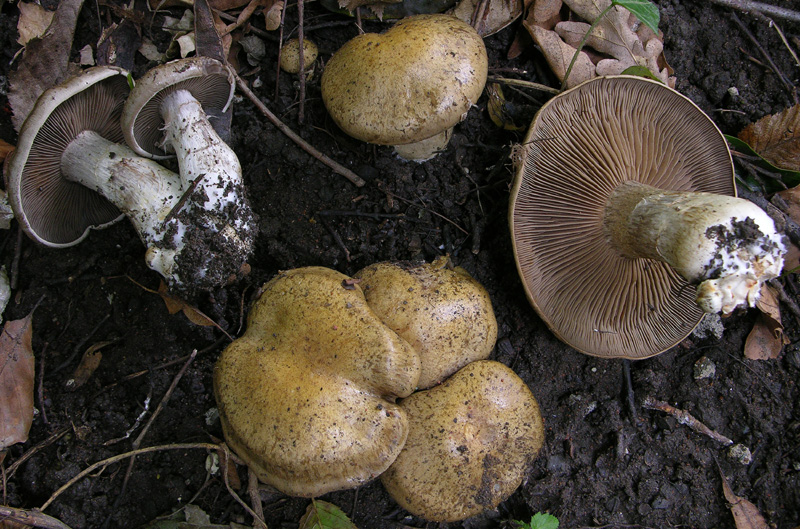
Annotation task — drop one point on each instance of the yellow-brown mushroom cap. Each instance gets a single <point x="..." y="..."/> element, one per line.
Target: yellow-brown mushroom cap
<point x="470" y="443"/>
<point x="581" y="146"/>
<point x="408" y="84"/>
<point x="443" y="312"/>
<point x="306" y="395"/>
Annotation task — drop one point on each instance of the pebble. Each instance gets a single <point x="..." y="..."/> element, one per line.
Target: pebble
<point x="704" y="368"/>
<point x="740" y="453"/>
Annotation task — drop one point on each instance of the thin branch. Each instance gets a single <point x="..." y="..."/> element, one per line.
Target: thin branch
<point x="303" y="144"/>
<point x="747" y="6"/>
<point x="30" y="518"/>
<point x="685" y="418"/>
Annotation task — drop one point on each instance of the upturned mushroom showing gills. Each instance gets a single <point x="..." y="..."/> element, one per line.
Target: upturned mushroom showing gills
<point x="306" y="395"/>
<point x="470" y="443"/>
<point x="407" y="87"/>
<point x="69" y="175"/>
<point x="167" y="114"/>
<point x="443" y="312"/>
<point x="625" y="221"/>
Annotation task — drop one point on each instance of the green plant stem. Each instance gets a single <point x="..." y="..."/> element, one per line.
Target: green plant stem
<point x="582" y="43"/>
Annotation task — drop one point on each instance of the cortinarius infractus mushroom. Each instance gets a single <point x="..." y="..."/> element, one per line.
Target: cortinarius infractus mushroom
<point x="409" y="86"/>
<point x="443" y="312"/>
<point x="625" y="223"/>
<point x="470" y="443"/>
<point x="306" y="395"/>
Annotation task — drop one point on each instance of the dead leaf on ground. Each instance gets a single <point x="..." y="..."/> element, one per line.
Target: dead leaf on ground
<point x="767" y="338"/>
<point x="776" y="138"/>
<point x="16" y="381"/>
<point x="89" y="363"/>
<point x="745" y="514"/>
<point x="323" y="515"/>
<point x="33" y="21"/>
<point x="45" y="62"/>
<point x="618" y="41"/>
<point x="488" y="16"/>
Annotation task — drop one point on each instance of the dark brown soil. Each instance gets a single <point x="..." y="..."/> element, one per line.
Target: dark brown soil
<point x="603" y="464"/>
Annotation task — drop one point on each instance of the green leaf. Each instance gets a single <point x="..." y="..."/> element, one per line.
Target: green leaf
<point x="645" y="10"/>
<point x="789" y="178"/>
<point x="641" y="71"/>
<point x="324" y="515"/>
<point x="540" y="521"/>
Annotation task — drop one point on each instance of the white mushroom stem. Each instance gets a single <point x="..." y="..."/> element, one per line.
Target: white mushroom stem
<point x="200" y="151"/>
<point x="141" y="188"/>
<point x="426" y="149"/>
<point x="726" y="246"/>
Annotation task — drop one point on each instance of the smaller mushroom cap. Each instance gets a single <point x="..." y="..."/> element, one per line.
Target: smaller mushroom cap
<point x="470" y="443"/>
<point x="51" y="209"/>
<point x="211" y="82"/>
<point x="443" y="312"/>
<point x="306" y="395"/>
<point x="583" y="145"/>
<point x="408" y="84"/>
<point x="290" y="55"/>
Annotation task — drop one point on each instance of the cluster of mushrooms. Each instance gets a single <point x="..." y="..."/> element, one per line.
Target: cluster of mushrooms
<point x="308" y="396"/>
<point x="85" y="158"/>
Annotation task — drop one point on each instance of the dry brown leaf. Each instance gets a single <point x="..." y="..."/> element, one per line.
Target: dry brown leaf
<point x="89" y="363"/>
<point x="16" y="381"/>
<point x="559" y="55"/>
<point x="776" y="138"/>
<point x="490" y="16"/>
<point x="745" y="514"/>
<point x="5" y="150"/>
<point x="33" y="21"/>
<point x="272" y="16"/>
<point x="767" y="339"/>
<point x="45" y="62"/>
<point x="792" y="199"/>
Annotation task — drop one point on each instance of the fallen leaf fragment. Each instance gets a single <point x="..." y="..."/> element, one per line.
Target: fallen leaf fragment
<point x="33" y="21"/>
<point x="89" y="363"/>
<point x="745" y="514"/>
<point x="776" y="138"/>
<point x="16" y="381"/>
<point x="488" y="17"/>
<point x="767" y="338"/>
<point x="324" y="515"/>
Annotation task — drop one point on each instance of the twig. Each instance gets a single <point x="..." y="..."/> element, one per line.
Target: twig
<point x="338" y="240"/>
<point x="685" y="418"/>
<point x="179" y="205"/>
<point x="30" y="518"/>
<point x="423" y="206"/>
<point x="108" y="461"/>
<point x="523" y="84"/>
<point x="255" y="495"/>
<point x="31" y="452"/>
<point x="80" y="345"/>
<point x="40" y="384"/>
<point x="303" y="144"/>
<point x="302" y="63"/>
<point x="747" y="6"/>
<point x="259" y="521"/>
<point x="789" y="88"/>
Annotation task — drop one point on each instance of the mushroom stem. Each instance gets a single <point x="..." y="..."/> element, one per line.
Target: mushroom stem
<point x="727" y="246"/>
<point x="141" y="188"/>
<point x="200" y="151"/>
<point x="426" y="149"/>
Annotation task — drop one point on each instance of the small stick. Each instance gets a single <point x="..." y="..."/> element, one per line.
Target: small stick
<point x="30" y="518"/>
<point x="177" y="207"/>
<point x="300" y="39"/>
<point x="259" y="521"/>
<point x="303" y="144"/>
<point x="748" y="6"/>
<point x="523" y="84"/>
<point x="255" y="495"/>
<point x="685" y="418"/>
<point x="108" y="461"/>
<point x="30" y="453"/>
<point x="40" y="384"/>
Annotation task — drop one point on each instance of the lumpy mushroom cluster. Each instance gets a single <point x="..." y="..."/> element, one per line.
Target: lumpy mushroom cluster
<point x="85" y="159"/>
<point x="320" y="393"/>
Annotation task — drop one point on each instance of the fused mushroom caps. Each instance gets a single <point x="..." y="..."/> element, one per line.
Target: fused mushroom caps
<point x="51" y="209"/>
<point x="412" y="83"/>
<point x="306" y="395"/>
<point x="208" y="80"/>
<point x="586" y="145"/>
<point x="470" y="443"/>
<point x="443" y="312"/>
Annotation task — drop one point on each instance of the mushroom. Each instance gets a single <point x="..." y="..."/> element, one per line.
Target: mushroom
<point x="443" y="312"/>
<point x="624" y="220"/>
<point x="470" y="443"/>
<point x="409" y="86"/>
<point x="68" y="175"/>
<point x="290" y="55"/>
<point x="306" y="395"/>
<point x="168" y="114"/>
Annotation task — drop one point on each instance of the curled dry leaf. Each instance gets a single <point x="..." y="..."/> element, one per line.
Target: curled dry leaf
<point x="89" y="363"/>
<point x="776" y="138"/>
<point x="767" y="339"/>
<point x="488" y="16"/>
<point x="16" y="381"/>
<point x="618" y="41"/>
<point x="745" y="514"/>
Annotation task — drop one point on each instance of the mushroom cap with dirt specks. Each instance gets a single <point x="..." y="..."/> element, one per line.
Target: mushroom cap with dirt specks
<point x="581" y="146"/>
<point x="412" y="82"/>
<point x="470" y="443"/>
<point x="208" y="80"/>
<point x="51" y="209"/>
<point x="306" y="395"/>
